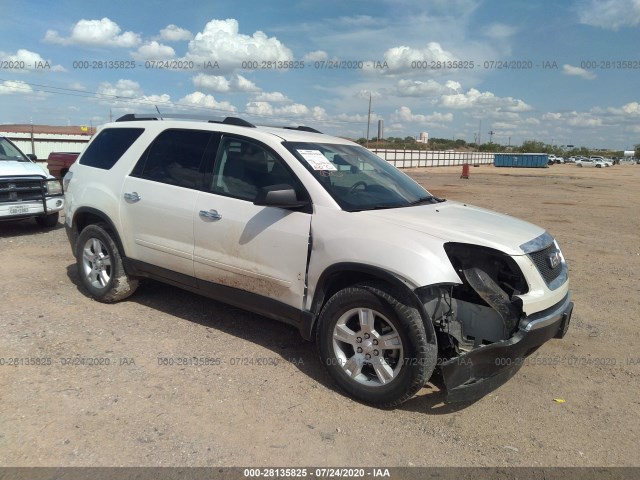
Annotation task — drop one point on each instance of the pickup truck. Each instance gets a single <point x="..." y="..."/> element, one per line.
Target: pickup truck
<point x="58" y="163"/>
<point x="26" y="190"/>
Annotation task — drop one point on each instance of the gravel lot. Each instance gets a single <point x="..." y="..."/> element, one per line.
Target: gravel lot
<point x="266" y="400"/>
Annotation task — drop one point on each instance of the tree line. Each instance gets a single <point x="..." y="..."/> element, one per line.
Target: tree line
<point x="528" y="146"/>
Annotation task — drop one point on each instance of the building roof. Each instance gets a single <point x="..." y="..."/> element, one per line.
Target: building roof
<point x="48" y="129"/>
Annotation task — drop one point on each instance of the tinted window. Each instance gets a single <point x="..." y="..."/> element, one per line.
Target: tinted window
<point x="244" y="167"/>
<point x="107" y="148"/>
<point x="176" y="156"/>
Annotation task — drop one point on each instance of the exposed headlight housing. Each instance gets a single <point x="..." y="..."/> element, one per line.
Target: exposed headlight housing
<point x="54" y="187"/>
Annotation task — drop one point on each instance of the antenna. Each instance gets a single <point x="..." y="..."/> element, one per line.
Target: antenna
<point x="158" y="112"/>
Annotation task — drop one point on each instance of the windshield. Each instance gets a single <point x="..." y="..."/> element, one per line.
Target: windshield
<point x="9" y="152"/>
<point x="357" y="179"/>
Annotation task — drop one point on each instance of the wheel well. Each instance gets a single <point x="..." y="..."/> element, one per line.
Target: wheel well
<point x="339" y="277"/>
<point x="83" y="219"/>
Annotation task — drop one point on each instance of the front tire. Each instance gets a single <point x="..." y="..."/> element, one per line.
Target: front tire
<point x="48" y="221"/>
<point x="374" y="346"/>
<point x="100" y="266"/>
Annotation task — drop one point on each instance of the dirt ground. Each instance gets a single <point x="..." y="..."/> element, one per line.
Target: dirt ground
<point x="265" y="398"/>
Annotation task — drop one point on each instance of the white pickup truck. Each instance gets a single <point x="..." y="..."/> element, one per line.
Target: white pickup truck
<point x="26" y="189"/>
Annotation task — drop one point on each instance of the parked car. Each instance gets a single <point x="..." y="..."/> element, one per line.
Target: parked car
<point x="589" y="162"/>
<point x="316" y="231"/>
<point x="559" y="160"/>
<point x="58" y="163"/>
<point x="26" y="189"/>
<point x="604" y="161"/>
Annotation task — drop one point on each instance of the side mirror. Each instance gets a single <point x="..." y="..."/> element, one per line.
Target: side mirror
<point x="282" y="196"/>
<point x="32" y="156"/>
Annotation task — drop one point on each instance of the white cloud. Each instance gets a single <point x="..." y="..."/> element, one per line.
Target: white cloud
<point x="200" y="99"/>
<point x="154" y="51"/>
<point x="417" y="88"/>
<point x="219" y="83"/>
<point x="359" y="118"/>
<point x="221" y="41"/>
<point x="404" y="114"/>
<point x="577" y="71"/>
<point x="14" y="86"/>
<point x="213" y="83"/>
<point x="32" y="61"/>
<point x="293" y="110"/>
<point x="274" y="97"/>
<point x="316" y="56"/>
<point x="95" y="33"/>
<point x="500" y="31"/>
<point x="401" y="58"/>
<point x="242" y="84"/>
<point x="574" y="119"/>
<point x="173" y="33"/>
<point x="552" y="116"/>
<point x="610" y="14"/>
<point x="474" y="98"/>
<point x="632" y="108"/>
<point x="319" y="114"/>
<point x="122" y="88"/>
<point x="259" y="108"/>
<point x="584" y="121"/>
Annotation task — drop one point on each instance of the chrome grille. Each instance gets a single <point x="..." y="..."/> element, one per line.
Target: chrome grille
<point x="14" y="190"/>
<point x="543" y="263"/>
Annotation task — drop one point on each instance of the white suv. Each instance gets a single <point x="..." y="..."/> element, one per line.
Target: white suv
<point x="318" y="232"/>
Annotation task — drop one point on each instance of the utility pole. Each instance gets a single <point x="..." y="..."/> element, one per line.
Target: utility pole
<point x="33" y="144"/>
<point x="368" y="119"/>
<point x="491" y="134"/>
<point x="479" y="132"/>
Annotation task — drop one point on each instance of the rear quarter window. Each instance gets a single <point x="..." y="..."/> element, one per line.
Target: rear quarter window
<point x="109" y="146"/>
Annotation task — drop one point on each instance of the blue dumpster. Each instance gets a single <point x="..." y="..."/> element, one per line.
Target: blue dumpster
<point x="523" y="160"/>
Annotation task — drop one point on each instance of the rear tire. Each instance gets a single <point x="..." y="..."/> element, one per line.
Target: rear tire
<point x="100" y="266"/>
<point x="373" y="344"/>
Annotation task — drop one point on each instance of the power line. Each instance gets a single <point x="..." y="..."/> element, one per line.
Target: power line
<point x="28" y="87"/>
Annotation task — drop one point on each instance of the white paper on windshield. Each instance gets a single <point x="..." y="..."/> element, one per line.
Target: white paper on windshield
<point x="317" y="160"/>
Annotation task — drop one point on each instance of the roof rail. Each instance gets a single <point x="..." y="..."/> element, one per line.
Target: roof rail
<point x="235" y="121"/>
<point x="131" y="117"/>
<point x="303" y="129"/>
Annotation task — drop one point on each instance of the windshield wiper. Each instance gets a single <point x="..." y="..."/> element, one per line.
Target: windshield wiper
<point x="428" y="199"/>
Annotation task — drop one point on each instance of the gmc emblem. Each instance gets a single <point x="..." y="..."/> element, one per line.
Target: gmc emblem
<point x="554" y="260"/>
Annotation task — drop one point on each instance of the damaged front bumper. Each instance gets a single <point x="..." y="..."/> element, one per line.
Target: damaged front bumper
<point x="481" y="370"/>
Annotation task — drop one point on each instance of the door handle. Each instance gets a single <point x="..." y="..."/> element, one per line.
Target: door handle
<point x="132" y="197"/>
<point x="210" y="215"/>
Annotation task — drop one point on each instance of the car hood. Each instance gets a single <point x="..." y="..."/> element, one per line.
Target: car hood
<point x="16" y="169"/>
<point x="462" y="223"/>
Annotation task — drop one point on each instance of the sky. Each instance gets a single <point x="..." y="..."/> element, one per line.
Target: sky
<point x="565" y="74"/>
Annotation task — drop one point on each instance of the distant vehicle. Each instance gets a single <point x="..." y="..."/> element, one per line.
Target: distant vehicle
<point x="551" y="159"/>
<point x="26" y="190"/>
<point x="589" y="162"/>
<point x="605" y="161"/>
<point x="560" y="160"/>
<point x="58" y="163"/>
<point x="572" y="159"/>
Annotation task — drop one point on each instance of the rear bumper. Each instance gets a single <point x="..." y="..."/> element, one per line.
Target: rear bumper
<point x="476" y="373"/>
